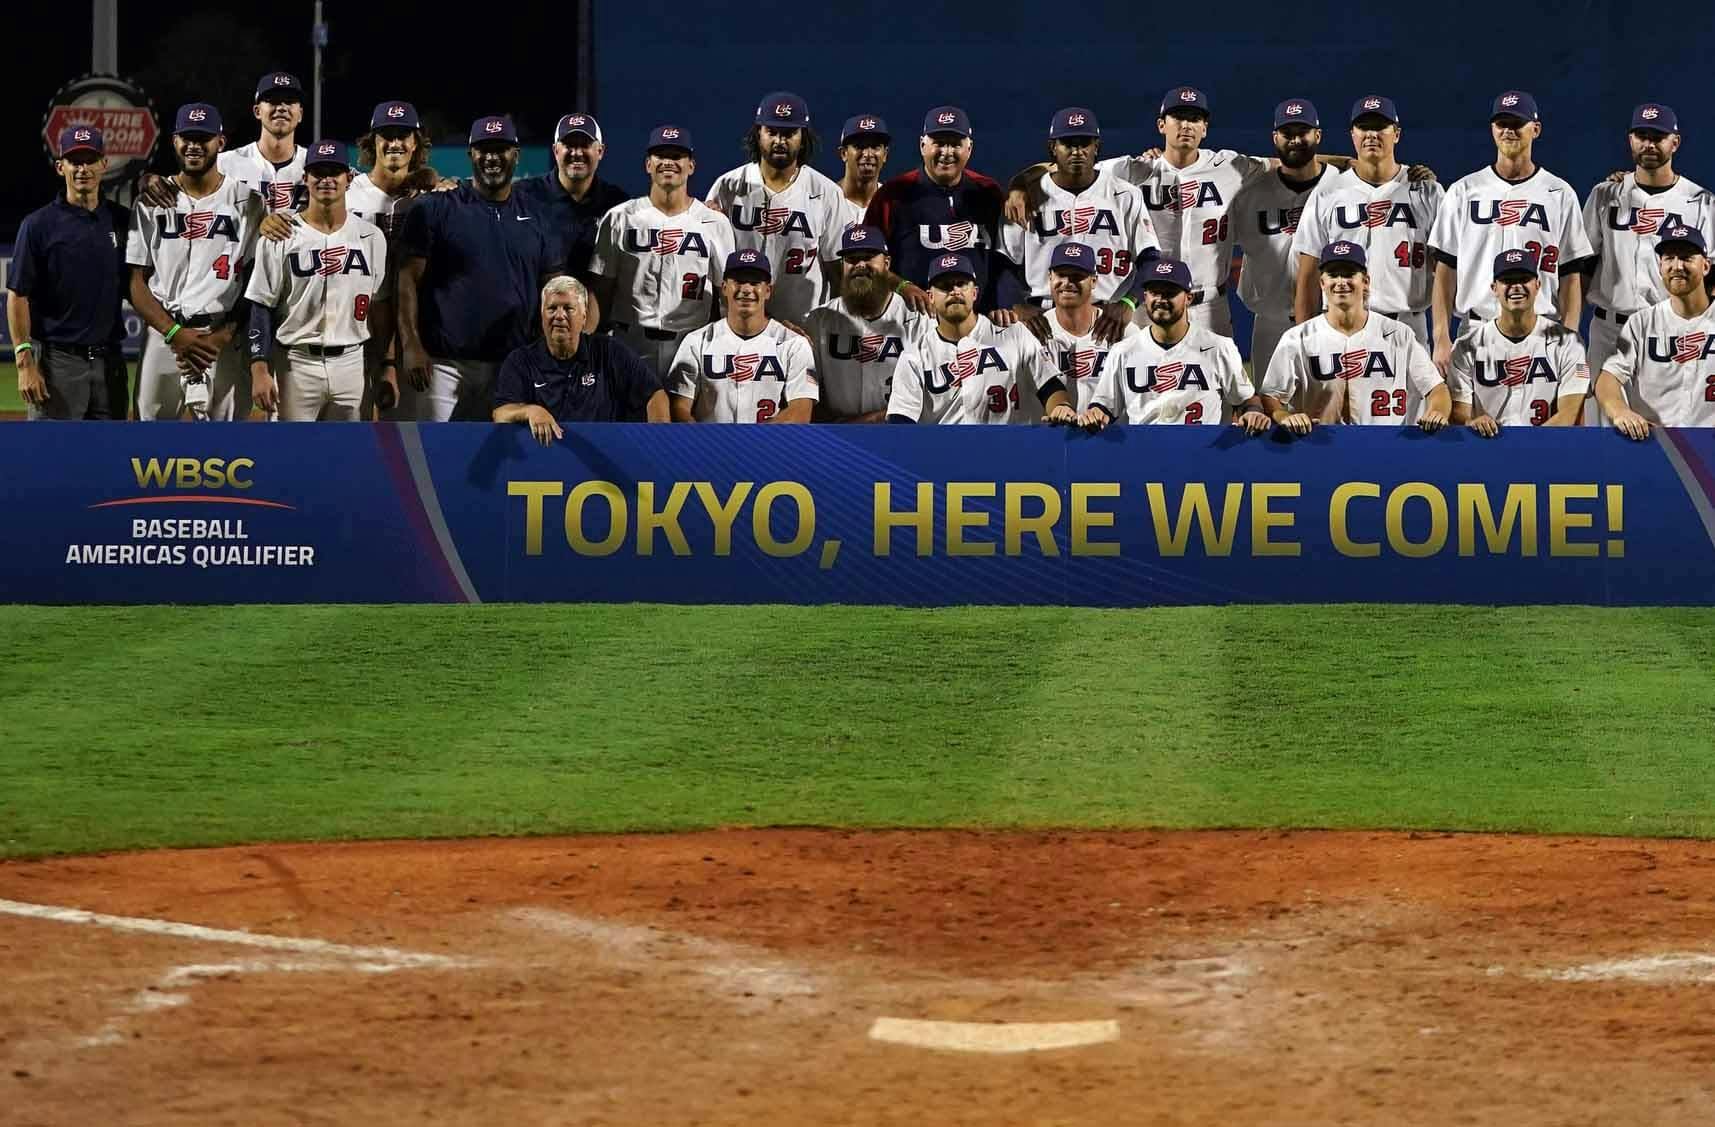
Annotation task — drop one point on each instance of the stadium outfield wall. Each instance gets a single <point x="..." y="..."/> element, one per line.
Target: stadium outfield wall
<point x="927" y="516"/>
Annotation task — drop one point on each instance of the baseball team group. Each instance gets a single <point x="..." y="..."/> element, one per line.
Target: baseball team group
<point x="1088" y="291"/>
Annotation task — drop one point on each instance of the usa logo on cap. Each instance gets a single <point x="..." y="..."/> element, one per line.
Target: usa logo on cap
<point x="1076" y="119"/>
<point x="857" y="234"/>
<point x="1341" y="248"/>
<point x="1072" y="251"/>
<point x="948" y="261"/>
<point x="492" y="127"/>
<point x="329" y="150"/>
<point x="1676" y="232"/>
<point x="1510" y="100"/>
<point x="395" y="111"/>
<point x="782" y="109"/>
<point x="1372" y="103"/>
<point x="670" y="134"/>
<point x="282" y="80"/>
<point x="1188" y="95"/>
<point x="81" y="135"/>
<point x="866" y="123"/>
<point x="946" y="118"/>
<point x="1515" y="256"/>
<point x="1295" y="109"/>
<point x="748" y="257"/>
<point x="1650" y="114"/>
<point x="198" y="115"/>
<point x="1164" y="268"/>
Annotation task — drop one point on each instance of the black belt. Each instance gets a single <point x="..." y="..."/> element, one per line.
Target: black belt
<point x="200" y="321"/>
<point x="1198" y="295"/>
<point x="648" y="334"/>
<point x="1603" y="315"/>
<point x="322" y="349"/>
<point x="87" y="351"/>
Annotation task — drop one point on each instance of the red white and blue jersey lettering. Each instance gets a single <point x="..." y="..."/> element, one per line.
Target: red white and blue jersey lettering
<point x="984" y="377"/>
<point x="1392" y="221"/>
<point x="1484" y="215"/>
<point x="734" y="379"/>
<point x="1624" y="222"/>
<point x="1198" y="379"/>
<point x="667" y="268"/>
<point x="1109" y="217"/>
<point x="1518" y="382"/>
<point x="1377" y="376"/>
<point x="196" y="250"/>
<point x="1666" y="365"/>
<point x="798" y="229"/>
<point x="856" y="356"/>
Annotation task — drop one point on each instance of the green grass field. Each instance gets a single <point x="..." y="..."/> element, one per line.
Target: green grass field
<point x="9" y="399"/>
<point x="129" y="728"/>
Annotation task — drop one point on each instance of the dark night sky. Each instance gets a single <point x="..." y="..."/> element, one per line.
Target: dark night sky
<point x="215" y="52"/>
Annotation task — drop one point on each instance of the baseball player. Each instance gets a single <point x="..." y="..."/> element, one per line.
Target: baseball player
<point x="864" y="143"/>
<point x="1662" y="373"/>
<point x="273" y="164"/>
<point x="970" y="369"/>
<point x="1078" y="352"/>
<point x="658" y="258"/>
<point x="1350" y="366"/>
<point x="1379" y="206"/>
<point x="859" y="336"/>
<point x="780" y="205"/>
<point x="1099" y="211"/>
<point x="1176" y="372"/>
<point x="395" y="156"/>
<point x="941" y="207"/>
<point x="313" y="297"/>
<point x="1520" y="369"/>
<point x="1266" y="213"/>
<point x="571" y="198"/>
<point x="747" y="367"/>
<point x="1512" y="204"/>
<point x="1623" y="220"/>
<point x="472" y="264"/>
<point x="188" y="264"/>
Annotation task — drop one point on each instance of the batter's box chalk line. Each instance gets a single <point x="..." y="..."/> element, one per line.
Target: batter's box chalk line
<point x="993" y="1037"/>
<point x="167" y="991"/>
<point x="1669" y="968"/>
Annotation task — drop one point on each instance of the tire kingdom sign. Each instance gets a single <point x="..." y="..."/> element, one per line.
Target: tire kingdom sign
<point x="118" y="108"/>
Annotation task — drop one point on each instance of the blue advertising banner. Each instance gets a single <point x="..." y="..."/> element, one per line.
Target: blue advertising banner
<point x="921" y="516"/>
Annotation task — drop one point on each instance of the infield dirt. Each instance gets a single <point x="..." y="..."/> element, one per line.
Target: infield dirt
<point x="733" y="978"/>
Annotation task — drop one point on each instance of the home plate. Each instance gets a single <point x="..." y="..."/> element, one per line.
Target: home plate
<point x="993" y="1037"/>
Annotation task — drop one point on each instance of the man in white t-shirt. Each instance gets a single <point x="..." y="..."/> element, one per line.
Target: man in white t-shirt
<point x="1663" y="371"/>
<point x="1521" y="369"/>
<point x="1349" y="365"/>
<point x="747" y="367"/>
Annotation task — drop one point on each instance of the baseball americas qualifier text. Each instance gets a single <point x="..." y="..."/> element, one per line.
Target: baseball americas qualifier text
<point x="1413" y="519"/>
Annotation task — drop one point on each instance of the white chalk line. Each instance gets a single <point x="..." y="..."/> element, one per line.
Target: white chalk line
<point x="1668" y="967"/>
<point x="993" y="1037"/>
<point x="168" y="990"/>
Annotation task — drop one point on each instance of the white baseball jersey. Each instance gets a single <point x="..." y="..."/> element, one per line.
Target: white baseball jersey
<point x="1392" y="221"/>
<point x="197" y="248"/>
<point x="1265" y="216"/>
<point x="1483" y="215"/>
<point x="321" y="286"/>
<point x="798" y="229"/>
<point x="851" y="212"/>
<point x="1080" y="361"/>
<point x="1109" y="217"/>
<point x="856" y="356"/>
<point x="281" y="186"/>
<point x="1624" y="222"/>
<point x="1190" y="207"/>
<point x="734" y="379"/>
<point x="982" y="377"/>
<point x="1666" y="365"/>
<point x="1385" y="372"/>
<point x="1199" y="379"/>
<point x="365" y="200"/>
<point x="667" y="267"/>
<point x="1518" y="382"/>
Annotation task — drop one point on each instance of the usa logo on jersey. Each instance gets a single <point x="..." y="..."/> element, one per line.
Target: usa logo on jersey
<point x="1281" y="221"/>
<point x="674" y="240"/>
<point x="771" y="221"/>
<point x="744" y="368"/>
<point x="951" y="236"/>
<point x="867" y="349"/>
<point x="329" y="261"/>
<point x="1378" y="213"/>
<point x="1515" y="371"/>
<point x="1163" y="378"/>
<point x="1356" y="364"/>
<point x="1081" y="363"/>
<point x="1510" y="213"/>
<point x="1640" y="220"/>
<point x="198" y="225"/>
<point x="1687" y="349"/>
<point x="968" y="362"/>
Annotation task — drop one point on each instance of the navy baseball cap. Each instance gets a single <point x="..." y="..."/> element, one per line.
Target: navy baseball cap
<point x="1297" y="111"/>
<point x="577" y="123"/>
<point x="1654" y="115"/>
<point x="946" y="119"/>
<point x="864" y="125"/>
<point x="1073" y="121"/>
<point x="1184" y="98"/>
<point x="394" y="115"/>
<point x="327" y="152"/>
<point x="495" y="127"/>
<point x="1515" y="103"/>
<point x="670" y="137"/>
<point x="859" y="237"/>
<point x="1165" y="271"/>
<point x="1343" y="251"/>
<point x="748" y="261"/>
<point x="82" y="139"/>
<point x="1681" y="235"/>
<point x="197" y="117"/>
<point x="954" y="263"/>
<point x="272" y="85"/>
<point x="1073" y="256"/>
<point x="784" y="109"/>
<point x="1515" y="262"/>
<point x="1374" y="105"/>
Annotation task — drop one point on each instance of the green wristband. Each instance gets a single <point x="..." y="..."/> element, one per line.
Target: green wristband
<point x="168" y="335"/>
<point x="900" y="288"/>
<point x="1129" y="304"/>
<point x="26" y="346"/>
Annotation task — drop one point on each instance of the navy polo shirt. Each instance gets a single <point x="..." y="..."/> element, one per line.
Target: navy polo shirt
<point x="602" y="382"/>
<point x="481" y="285"/>
<point x="70" y="263"/>
<point x="573" y="222"/>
